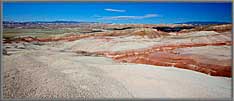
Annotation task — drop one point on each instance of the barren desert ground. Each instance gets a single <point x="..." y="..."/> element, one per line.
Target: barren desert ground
<point x="117" y="61"/>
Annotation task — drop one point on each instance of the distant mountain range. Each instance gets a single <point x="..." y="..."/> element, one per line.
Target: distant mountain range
<point x="78" y="22"/>
<point x="203" y="23"/>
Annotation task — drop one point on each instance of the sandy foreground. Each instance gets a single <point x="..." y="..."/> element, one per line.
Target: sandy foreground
<point x="50" y="71"/>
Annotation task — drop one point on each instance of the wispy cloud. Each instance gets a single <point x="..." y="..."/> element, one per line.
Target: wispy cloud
<point x="128" y="17"/>
<point x="114" y="10"/>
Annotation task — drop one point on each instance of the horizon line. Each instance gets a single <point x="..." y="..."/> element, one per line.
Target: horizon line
<point x="114" y="23"/>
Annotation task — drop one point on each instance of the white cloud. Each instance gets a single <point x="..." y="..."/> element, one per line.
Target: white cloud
<point x="129" y="17"/>
<point x="114" y="10"/>
<point x="150" y="15"/>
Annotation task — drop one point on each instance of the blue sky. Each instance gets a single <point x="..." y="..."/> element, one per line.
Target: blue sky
<point x="117" y="12"/>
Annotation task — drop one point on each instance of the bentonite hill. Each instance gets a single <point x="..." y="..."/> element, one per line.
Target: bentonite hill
<point x="117" y="60"/>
